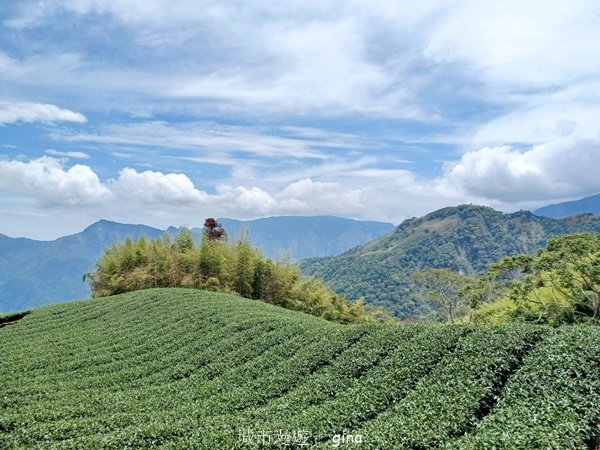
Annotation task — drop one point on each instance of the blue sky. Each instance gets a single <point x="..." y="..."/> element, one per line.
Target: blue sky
<point x="165" y="112"/>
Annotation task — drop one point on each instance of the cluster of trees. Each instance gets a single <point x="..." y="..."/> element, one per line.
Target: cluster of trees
<point x="218" y="264"/>
<point x="560" y="284"/>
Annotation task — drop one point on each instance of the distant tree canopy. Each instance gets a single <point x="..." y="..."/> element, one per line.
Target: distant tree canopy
<point x="560" y="284"/>
<point x="219" y="265"/>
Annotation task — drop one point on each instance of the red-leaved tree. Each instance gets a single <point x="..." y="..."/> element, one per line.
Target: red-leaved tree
<point x="213" y="230"/>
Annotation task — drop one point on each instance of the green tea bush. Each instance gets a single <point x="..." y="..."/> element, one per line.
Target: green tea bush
<point x="182" y="368"/>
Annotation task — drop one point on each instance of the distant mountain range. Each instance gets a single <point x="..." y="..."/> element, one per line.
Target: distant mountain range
<point x="305" y="237"/>
<point x="584" y="205"/>
<point x="466" y="238"/>
<point x="34" y="273"/>
<point x="375" y="265"/>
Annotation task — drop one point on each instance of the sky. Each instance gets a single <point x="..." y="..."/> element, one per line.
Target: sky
<point x="165" y="112"/>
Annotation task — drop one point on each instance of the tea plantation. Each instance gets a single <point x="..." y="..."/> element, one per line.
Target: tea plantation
<point x="177" y="368"/>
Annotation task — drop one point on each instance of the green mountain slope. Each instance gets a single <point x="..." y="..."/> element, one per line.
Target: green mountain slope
<point x="466" y="238"/>
<point x="584" y="205"/>
<point x="189" y="369"/>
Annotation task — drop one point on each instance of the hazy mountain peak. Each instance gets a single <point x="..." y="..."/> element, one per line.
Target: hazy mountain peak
<point x="590" y="205"/>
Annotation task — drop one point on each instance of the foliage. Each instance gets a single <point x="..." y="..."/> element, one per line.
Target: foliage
<point x="217" y="264"/>
<point x="560" y="284"/>
<point x="213" y="230"/>
<point x="441" y="288"/>
<point x="550" y="402"/>
<point x="182" y="368"/>
<point x="457" y="392"/>
<point x="466" y="239"/>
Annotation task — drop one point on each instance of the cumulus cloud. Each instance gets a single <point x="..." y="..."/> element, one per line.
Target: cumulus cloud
<point x="315" y="196"/>
<point x="155" y="188"/>
<point x="46" y="181"/>
<point x="504" y="176"/>
<point x="49" y="184"/>
<point x="11" y="112"/>
<point x="557" y="169"/>
<point x="243" y="201"/>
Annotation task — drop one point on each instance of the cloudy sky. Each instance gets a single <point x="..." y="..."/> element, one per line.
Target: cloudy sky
<point x="164" y="112"/>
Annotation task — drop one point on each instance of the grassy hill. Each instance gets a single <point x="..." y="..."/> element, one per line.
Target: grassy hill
<point x="467" y="238"/>
<point x="190" y="369"/>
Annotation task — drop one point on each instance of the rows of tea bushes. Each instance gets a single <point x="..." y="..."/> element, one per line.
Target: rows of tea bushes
<point x="552" y="401"/>
<point x="181" y="368"/>
<point x="456" y="393"/>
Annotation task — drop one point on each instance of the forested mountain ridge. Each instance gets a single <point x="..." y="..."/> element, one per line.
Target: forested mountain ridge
<point x="466" y="238"/>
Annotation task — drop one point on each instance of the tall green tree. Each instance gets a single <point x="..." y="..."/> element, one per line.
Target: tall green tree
<point x="560" y="281"/>
<point x="245" y="261"/>
<point x="441" y="288"/>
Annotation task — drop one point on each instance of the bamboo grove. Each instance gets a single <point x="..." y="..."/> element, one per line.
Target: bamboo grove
<point x="219" y="264"/>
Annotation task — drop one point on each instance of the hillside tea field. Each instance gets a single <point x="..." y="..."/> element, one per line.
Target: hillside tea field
<point x="176" y="368"/>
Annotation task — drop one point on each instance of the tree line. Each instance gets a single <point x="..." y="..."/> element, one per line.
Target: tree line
<point x="219" y="264"/>
<point x="560" y="284"/>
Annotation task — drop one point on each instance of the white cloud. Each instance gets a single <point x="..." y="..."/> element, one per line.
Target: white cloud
<point x="558" y="169"/>
<point x="503" y="177"/>
<point x="213" y="139"/>
<point x="316" y="197"/>
<point x="243" y="202"/>
<point x="159" y="198"/>
<point x="321" y="66"/>
<point x="155" y="188"/>
<point x="512" y="85"/>
<point x="68" y="154"/>
<point x="49" y="183"/>
<point x="535" y="43"/>
<point x="379" y="58"/>
<point x="12" y="112"/>
<point x="46" y="181"/>
<point x="540" y="123"/>
<point x="305" y="57"/>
